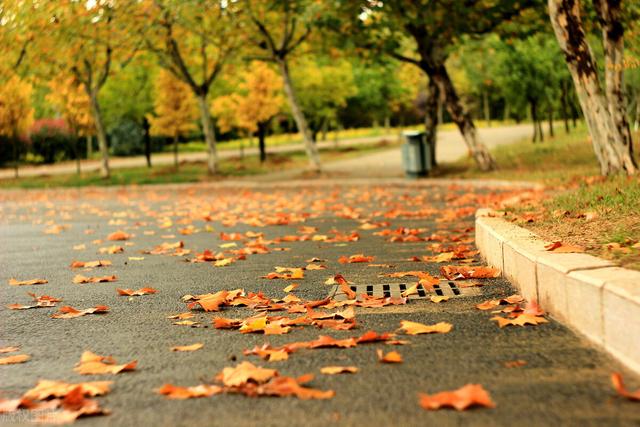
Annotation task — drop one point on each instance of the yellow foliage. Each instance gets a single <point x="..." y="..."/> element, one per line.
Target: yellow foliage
<point x="16" y="112"/>
<point x="260" y="99"/>
<point x="70" y="98"/>
<point x="174" y="106"/>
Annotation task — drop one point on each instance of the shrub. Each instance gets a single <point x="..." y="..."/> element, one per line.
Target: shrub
<point x="51" y="139"/>
<point x="127" y="138"/>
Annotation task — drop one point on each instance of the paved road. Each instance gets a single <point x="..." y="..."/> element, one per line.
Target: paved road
<point x="564" y="382"/>
<point x="451" y="148"/>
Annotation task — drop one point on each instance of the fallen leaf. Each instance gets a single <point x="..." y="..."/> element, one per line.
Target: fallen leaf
<point x="521" y="320"/>
<point x="560" y="247"/>
<point x="90" y="264"/>
<point x="79" y="278"/>
<point x="355" y="259"/>
<point x="10" y="349"/>
<point x="391" y="357"/>
<point x="18" y="358"/>
<point x="68" y="312"/>
<point x="344" y="286"/>
<point x="139" y="292"/>
<point x="415" y="328"/>
<point x="202" y="390"/>
<point x="14" y="282"/>
<point x="618" y="385"/>
<point x="333" y="370"/>
<point x="93" y="364"/>
<point x="453" y="272"/>
<point x="291" y="287"/>
<point x="118" y="235"/>
<point x="192" y="347"/>
<point x="245" y="372"/>
<point x="412" y="290"/>
<point x="115" y="249"/>
<point x="463" y="398"/>
<point x="515" y="363"/>
<point x="47" y="388"/>
<point x="438" y="299"/>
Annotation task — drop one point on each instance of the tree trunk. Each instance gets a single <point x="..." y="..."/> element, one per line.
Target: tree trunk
<point x="540" y="132"/>
<point x="507" y="110"/>
<point x="76" y="153"/>
<point x="462" y="119"/>
<point x="325" y="128"/>
<point x="550" y="120"/>
<point x="147" y="140"/>
<point x="101" y="133"/>
<point x="15" y="157"/>
<point x="563" y="106"/>
<point x="262" y="128"/>
<point x="431" y="118"/>
<point x="298" y="116"/>
<point x="89" y="147"/>
<point x="209" y="133"/>
<point x="336" y="135"/>
<point x="387" y="124"/>
<point x="612" y="149"/>
<point x="175" y="151"/>
<point x="610" y="14"/>
<point x="487" y="111"/>
<point x="534" y="118"/>
<point x="440" y="109"/>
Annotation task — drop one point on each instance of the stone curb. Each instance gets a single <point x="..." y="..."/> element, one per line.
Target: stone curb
<point x="589" y="294"/>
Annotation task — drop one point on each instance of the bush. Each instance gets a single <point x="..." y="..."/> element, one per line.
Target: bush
<point x="127" y="138"/>
<point x="51" y="139"/>
<point x="6" y="150"/>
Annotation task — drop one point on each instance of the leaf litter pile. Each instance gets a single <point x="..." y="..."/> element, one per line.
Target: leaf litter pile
<point x="251" y="222"/>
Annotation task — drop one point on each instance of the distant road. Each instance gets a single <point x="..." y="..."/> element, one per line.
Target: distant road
<point x="450" y="147"/>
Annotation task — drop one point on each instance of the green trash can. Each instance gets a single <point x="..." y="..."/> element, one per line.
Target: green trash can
<point x="416" y="155"/>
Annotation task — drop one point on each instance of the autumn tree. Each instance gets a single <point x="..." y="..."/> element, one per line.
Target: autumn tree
<point x="16" y="112"/>
<point x="279" y="29"/>
<point x="257" y="101"/>
<point x="175" y="109"/>
<point x="194" y="39"/>
<point x="423" y="33"/>
<point x="323" y="85"/>
<point x="89" y="39"/>
<point x="604" y="108"/>
<point x="70" y="99"/>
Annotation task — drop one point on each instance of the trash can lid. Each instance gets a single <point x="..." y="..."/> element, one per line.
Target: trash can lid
<point x="412" y="133"/>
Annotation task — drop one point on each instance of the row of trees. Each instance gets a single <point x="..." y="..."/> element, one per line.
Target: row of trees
<point x="509" y="55"/>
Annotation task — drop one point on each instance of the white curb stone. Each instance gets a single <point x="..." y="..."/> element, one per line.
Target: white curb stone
<point x="587" y="293"/>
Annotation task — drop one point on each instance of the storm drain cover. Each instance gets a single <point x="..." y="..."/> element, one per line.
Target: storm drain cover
<point x="447" y="288"/>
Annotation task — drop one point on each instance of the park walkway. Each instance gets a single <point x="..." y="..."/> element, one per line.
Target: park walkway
<point x="450" y="148"/>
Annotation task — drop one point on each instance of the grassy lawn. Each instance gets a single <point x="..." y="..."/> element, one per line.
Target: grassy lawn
<point x="294" y="138"/>
<point x="194" y="171"/>
<point x="579" y="207"/>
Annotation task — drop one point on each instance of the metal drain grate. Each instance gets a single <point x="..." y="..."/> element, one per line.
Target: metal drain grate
<point x="447" y="288"/>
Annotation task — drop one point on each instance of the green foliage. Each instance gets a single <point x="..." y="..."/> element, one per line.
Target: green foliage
<point x="53" y="144"/>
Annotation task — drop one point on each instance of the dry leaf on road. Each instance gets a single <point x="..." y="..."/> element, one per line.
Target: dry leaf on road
<point x="415" y="328"/>
<point x="465" y="397"/>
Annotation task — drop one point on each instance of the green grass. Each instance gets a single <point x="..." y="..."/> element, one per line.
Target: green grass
<point x="557" y="160"/>
<point x="193" y="171"/>
<point x="579" y="207"/>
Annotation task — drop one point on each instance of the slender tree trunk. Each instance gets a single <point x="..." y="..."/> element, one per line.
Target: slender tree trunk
<point x="462" y="119"/>
<point x="209" y="133"/>
<point x="534" y="117"/>
<point x="147" y="140"/>
<point x="486" y="108"/>
<point x="76" y="153"/>
<point x="336" y="135"/>
<point x="563" y="106"/>
<point x="298" y="116"/>
<point x="387" y="124"/>
<point x="613" y="150"/>
<point x="262" y="128"/>
<point x="325" y="128"/>
<point x="431" y="118"/>
<point x="440" y="109"/>
<point x="101" y="133"/>
<point x="540" y="132"/>
<point x="15" y="157"/>
<point x="550" y="120"/>
<point x="175" y="151"/>
<point x="507" y="110"/>
<point x="89" y="147"/>
<point x="610" y="14"/>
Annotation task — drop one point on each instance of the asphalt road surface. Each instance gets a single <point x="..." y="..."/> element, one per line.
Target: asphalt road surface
<point x="565" y="381"/>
